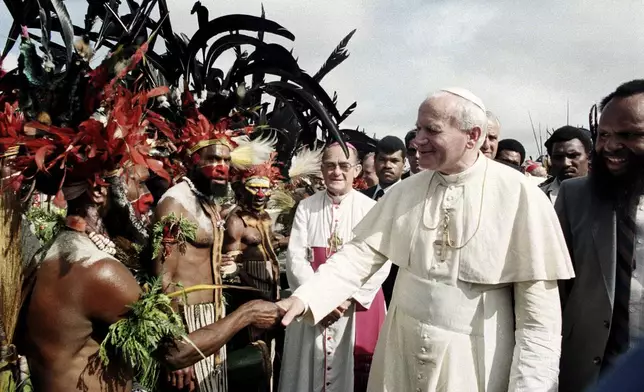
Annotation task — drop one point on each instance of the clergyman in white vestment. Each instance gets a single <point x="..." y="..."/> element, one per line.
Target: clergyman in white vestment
<point x="336" y="354"/>
<point x="471" y="237"/>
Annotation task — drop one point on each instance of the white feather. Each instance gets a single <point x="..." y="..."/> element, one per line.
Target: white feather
<point x="306" y="163"/>
<point x="252" y="152"/>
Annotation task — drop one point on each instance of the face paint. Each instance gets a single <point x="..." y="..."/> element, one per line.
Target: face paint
<point x="215" y="172"/>
<point x="259" y="191"/>
<point x="143" y="204"/>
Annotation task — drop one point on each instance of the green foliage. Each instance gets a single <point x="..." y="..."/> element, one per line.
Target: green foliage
<point x="172" y="230"/>
<point x="46" y="222"/>
<point x="133" y="340"/>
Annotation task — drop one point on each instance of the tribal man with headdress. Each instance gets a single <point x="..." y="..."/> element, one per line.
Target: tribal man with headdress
<point x="248" y="237"/>
<point x="208" y="150"/>
<point x="78" y="318"/>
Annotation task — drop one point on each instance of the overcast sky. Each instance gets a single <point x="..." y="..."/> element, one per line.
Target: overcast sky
<point x="518" y="56"/>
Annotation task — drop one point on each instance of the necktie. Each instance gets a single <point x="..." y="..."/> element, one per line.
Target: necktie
<point x="379" y="194"/>
<point x="619" y="337"/>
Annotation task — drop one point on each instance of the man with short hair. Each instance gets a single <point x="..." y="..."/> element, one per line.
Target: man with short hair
<point x="491" y="143"/>
<point x="603" y="222"/>
<point x="412" y="154"/>
<point x="569" y="151"/>
<point x="511" y="151"/>
<point x="369" y="169"/>
<point x="389" y="163"/>
<point x="335" y="356"/>
<point x="479" y="249"/>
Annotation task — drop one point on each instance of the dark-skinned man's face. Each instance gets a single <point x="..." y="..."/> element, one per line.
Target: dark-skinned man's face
<point x="210" y="169"/>
<point x="256" y="193"/>
<point x="509" y="156"/>
<point x="569" y="159"/>
<point x="389" y="167"/>
<point x="619" y="149"/>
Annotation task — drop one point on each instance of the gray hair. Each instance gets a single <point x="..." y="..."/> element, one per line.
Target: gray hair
<point x="470" y="115"/>
<point x="493" y="118"/>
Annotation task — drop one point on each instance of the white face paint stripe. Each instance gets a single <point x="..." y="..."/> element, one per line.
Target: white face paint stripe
<point x="258" y="182"/>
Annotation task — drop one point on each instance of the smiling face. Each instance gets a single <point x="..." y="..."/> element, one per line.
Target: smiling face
<point x="619" y="148"/>
<point x="441" y="145"/>
<point x="569" y="159"/>
<point x="338" y="170"/>
<point x="256" y="193"/>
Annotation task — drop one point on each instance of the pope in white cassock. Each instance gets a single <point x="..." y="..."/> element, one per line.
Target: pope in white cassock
<point x="472" y="238"/>
<point x="336" y="354"/>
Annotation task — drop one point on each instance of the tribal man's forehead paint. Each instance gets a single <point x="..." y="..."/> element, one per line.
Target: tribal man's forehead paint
<point x="257" y="182"/>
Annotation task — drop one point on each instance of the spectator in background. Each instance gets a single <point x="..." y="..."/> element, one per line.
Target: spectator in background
<point x="569" y="150"/>
<point x="491" y="143"/>
<point x="369" y="170"/>
<point x="389" y="162"/>
<point x="412" y="154"/>
<point x="510" y="151"/>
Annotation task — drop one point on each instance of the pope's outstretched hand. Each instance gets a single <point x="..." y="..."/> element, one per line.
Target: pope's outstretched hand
<point x="293" y="307"/>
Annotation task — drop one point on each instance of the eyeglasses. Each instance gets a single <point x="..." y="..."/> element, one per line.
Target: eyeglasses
<point x="344" y="166"/>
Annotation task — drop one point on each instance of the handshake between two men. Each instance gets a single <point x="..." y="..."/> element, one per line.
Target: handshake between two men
<point x="265" y="315"/>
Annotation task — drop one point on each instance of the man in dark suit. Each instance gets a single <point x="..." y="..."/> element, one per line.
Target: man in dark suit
<point x="602" y="217"/>
<point x="412" y="155"/>
<point x="390" y="160"/>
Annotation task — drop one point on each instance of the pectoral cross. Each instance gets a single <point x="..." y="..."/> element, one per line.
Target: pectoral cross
<point x="335" y="242"/>
<point x="445" y="242"/>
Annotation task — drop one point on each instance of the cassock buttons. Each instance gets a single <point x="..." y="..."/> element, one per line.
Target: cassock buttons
<point x="606" y="324"/>
<point x="597" y="361"/>
<point x="423" y="350"/>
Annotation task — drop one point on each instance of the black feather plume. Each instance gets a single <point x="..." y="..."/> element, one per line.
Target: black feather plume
<point x="339" y="54"/>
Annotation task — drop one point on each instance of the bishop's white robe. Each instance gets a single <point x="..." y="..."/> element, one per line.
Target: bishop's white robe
<point x="451" y="324"/>
<point x="315" y="358"/>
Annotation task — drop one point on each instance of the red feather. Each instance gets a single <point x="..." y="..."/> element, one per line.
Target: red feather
<point x="41" y="154"/>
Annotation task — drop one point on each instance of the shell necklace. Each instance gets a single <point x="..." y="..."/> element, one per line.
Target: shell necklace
<point x="101" y="241"/>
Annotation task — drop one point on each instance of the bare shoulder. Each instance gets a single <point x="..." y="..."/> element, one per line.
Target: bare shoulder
<point x="109" y="288"/>
<point x="170" y="205"/>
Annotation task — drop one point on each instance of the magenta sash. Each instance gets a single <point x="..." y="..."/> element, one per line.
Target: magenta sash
<point x="368" y="321"/>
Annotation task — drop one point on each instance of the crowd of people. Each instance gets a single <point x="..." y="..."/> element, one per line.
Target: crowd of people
<point x="164" y="237"/>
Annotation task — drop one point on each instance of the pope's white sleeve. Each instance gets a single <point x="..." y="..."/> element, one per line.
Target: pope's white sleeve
<point x="298" y="268"/>
<point x="339" y="278"/>
<point x="368" y="291"/>
<point x="535" y="365"/>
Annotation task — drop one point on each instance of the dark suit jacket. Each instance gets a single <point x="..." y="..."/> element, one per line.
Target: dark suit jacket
<point x="369" y="192"/>
<point x="587" y="301"/>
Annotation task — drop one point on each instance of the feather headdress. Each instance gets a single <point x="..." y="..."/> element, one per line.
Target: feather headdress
<point x="306" y="163"/>
<point x="265" y="170"/>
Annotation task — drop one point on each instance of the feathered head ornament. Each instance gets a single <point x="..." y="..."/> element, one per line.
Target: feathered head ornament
<point x="230" y="131"/>
<point x="266" y="172"/>
<point x="72" y="150"/>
